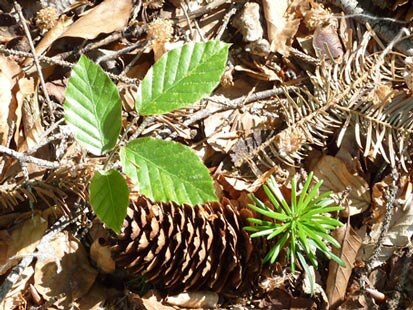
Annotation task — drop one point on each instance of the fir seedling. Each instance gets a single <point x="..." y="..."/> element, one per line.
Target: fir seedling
<point x="301" y="226"/>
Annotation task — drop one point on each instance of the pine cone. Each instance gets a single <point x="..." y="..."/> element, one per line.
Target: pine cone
<point x="183" y="248"/>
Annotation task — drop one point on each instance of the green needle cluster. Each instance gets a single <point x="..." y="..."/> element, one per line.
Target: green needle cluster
<point x="301" y="226"/>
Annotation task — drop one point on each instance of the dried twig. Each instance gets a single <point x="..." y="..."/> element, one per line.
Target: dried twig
<point x="237" y="103"/>
<point x="390" y="197"/>
<point x="79" y="51"/>
<point x="23" y="158"/>
<point x="36" y="60"/>
<point x="59" y="62"/>
<point x="122" y="51"/>
<point x="146" y="121"/>
<point x="304" y="57"/>
<point x="225" y="22"/>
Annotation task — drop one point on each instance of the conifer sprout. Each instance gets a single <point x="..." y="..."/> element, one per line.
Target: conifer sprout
<point x="302" y="226"/>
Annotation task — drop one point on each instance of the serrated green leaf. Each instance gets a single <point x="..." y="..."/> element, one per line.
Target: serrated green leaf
<point x="109" y="197"/>
<point x="93" y="107"/>
<point x="181" y="77"/>
<point x="167" y="171"/>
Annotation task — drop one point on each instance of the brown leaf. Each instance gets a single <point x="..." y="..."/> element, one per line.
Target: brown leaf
<point x="52" y="35"/>
<point x="337" y="178"/>
<point x="101" y="254"/>
<point x="9" y="71"/>
<point x="248" y="22"/>
<point x="21" y="240"/>
<point x="94" y="299"/>
<point x="281" y="27"/>
<point x="30" y="116"/>
<point x="107" y="17"/>
<point x="152" y="301"/>
<point x="326" y="42"/>
<point x="200" y="299"/>
<point x="63" y="268"/>
<point x="338" y="276"/>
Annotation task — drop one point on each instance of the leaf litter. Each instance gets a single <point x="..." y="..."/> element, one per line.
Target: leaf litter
<point x="348" y="119"/>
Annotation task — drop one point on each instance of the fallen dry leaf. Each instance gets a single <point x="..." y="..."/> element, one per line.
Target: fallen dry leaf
<point x="29" y="116"/>
<point x="281" y="27"/>
<point x="20" y="240"/>
<point x="337" y="178"/>
<point x="94" y="299"/>
<point x="338" y="276"/>
<point x="102" y="255"/>
<point x="52" y="35"/>
<point x="9" y="71"/>
<point x="201" y="299"/>
<point x="63" y="268"/>
<point x="326" y="42"/>
<point x="248" y="22"/>
<point x="152" y="301"/>
<point x="107" y="17"/>
<point x="400" y="229"/>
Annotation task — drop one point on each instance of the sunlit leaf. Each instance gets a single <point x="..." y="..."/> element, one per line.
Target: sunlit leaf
<point x="181" y="77"/>
<point x="167" y="171"/>
<point x="93" y="107"/>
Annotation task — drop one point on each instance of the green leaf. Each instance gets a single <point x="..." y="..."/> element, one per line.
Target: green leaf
<point x="308" y="273"/>
<point x="167" y="171"/>
<point x="270" y="214"/>
<point x="93" y="107"/>
<point x="109" y="197"/>
<point x="181" y="77"/>
<point x="278" y="231"/>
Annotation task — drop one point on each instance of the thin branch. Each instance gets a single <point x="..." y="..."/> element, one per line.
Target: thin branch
<point x="304" y="57"/>
<point x="93" y="45"/>
<point x="122" y="51"/>
<point x="237" y="103"/>
<point x="390" y="197"/>
<point x="23" y="158"/>
<point x="225" y="21"/>
<point x="36" y="60"/>
<point x="146" y="121"/>
<point x="63" y="63"/>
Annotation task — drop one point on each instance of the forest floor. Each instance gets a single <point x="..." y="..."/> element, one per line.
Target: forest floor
<point x="321" y="87"/>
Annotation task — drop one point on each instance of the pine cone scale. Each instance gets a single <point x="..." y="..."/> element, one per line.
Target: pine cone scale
<point x="182" y="248"/>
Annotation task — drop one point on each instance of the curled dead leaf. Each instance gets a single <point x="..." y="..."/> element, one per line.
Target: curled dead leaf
<point x="201" y="299"/>
<point x="249" y="22"/>
<point x="9" y="71"/>
<point x="281" y="27"/>
<point x="338" y="179"/>
<point x="338" y="276"/>
<point x="19" y="241"/>
<point x="327" y="43"/>
<point x="101" y="254"/>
